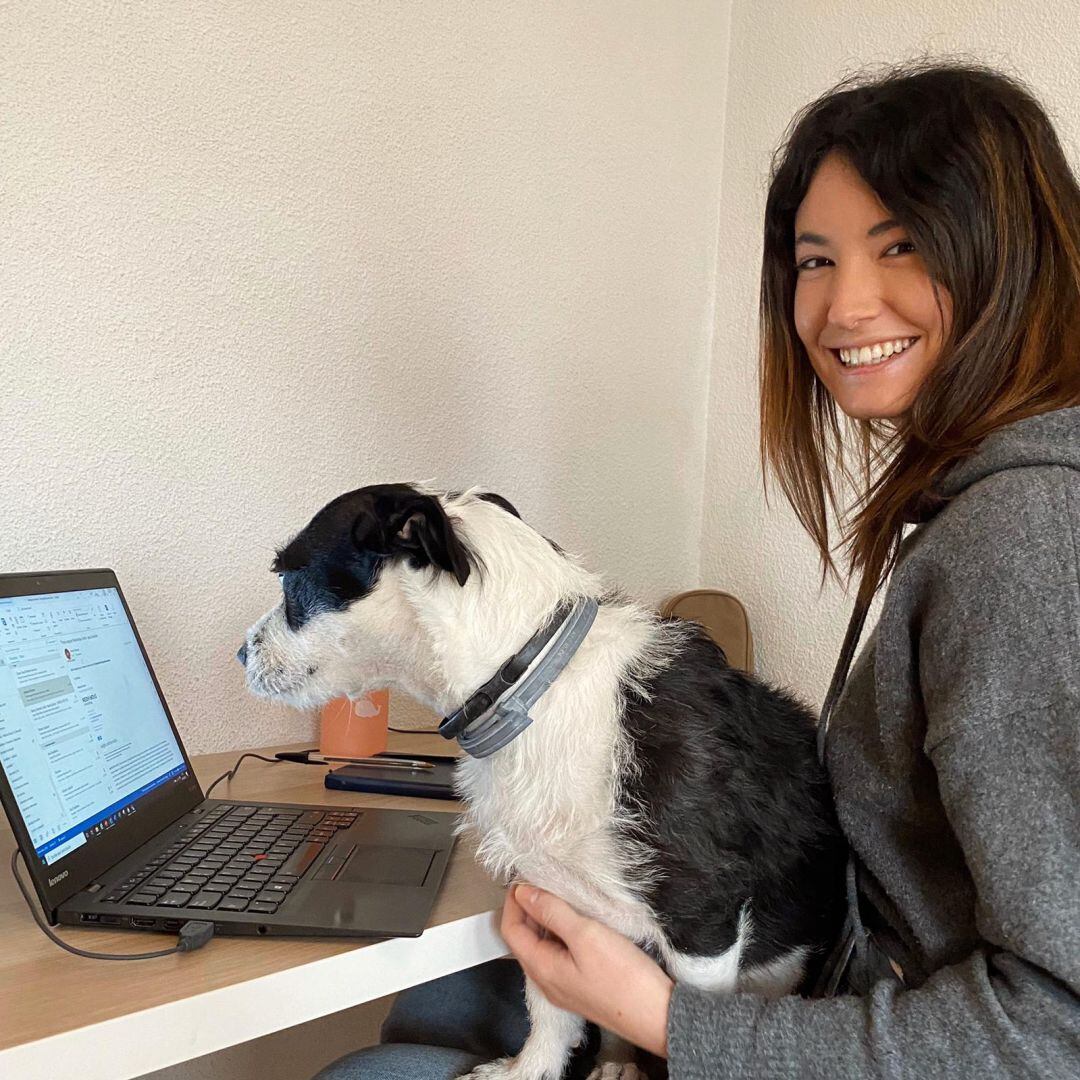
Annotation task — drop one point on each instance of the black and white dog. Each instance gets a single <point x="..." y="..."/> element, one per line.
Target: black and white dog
<point x="657" y="789"/>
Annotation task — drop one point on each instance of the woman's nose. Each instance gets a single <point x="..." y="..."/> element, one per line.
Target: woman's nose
<point x="856" y="297"/>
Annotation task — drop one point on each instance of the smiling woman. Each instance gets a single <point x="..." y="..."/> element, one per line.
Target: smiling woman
<point x="930" y="223"/>
<point x="866" y="309"/>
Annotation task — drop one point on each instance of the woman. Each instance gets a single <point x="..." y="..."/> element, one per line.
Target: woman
<point x="921" y="277"/>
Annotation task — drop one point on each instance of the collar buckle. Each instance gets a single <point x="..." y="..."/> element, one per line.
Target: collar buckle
<point x="499" y="711"/>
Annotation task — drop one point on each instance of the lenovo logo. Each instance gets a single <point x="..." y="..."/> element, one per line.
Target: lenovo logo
<point x="59" y="877"/>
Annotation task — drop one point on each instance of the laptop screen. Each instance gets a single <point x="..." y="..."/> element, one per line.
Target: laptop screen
<point x="83" y="735"/>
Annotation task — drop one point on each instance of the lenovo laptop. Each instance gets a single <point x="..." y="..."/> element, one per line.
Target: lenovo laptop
<point x="113" y="825"/>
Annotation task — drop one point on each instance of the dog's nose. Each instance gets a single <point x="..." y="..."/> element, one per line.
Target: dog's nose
<point x="241" y="654"/>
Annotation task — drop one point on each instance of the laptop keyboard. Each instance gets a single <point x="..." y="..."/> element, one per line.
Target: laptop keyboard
<point x="234" y="858"/>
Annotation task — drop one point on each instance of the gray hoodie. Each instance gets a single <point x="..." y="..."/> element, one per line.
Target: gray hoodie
<point x="954" y="753"/>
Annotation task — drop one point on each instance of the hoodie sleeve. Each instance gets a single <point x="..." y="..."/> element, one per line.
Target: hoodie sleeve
<point x="999" y="648"/>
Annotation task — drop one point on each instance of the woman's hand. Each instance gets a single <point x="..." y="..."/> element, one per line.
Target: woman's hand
<point x="588" y="969"/>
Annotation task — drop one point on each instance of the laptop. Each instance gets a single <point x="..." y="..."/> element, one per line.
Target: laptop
<point x="112" y="823"/>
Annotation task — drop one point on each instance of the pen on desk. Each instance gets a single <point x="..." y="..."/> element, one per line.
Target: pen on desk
<point x="381" y="763"/>
<point x="313" y="757"/>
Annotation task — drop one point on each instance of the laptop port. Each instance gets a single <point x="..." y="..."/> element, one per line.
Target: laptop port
<point x="171" y="924"/>
<point x="143" y="922"/>
<point x="110" y="920"/>
<point x="89" y="916"/>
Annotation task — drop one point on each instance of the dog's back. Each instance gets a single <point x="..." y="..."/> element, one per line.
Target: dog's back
<point x="726" y="789"/>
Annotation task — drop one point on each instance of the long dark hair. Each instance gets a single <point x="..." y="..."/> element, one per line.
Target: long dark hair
<point x="967" y="161"/>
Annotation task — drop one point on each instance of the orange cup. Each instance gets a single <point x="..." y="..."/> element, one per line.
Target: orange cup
<point x="355" y="728"/>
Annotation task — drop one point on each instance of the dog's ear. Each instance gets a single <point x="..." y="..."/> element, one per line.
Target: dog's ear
<point x="424" y="527"/>
<point x="419" y="526"/>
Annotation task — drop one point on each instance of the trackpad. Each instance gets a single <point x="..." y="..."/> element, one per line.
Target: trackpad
<point x="387" y="865"/>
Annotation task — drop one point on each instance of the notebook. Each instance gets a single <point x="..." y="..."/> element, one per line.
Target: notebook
<point x="113" y="825"/>
<point x="437" y="784"/>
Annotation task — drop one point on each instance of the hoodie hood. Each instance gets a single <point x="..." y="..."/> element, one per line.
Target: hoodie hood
<point x="1051" y="438"/>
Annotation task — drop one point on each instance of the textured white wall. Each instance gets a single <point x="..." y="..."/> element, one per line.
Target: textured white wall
<point x="782" y="56"/>
<point x="256" y="254"/>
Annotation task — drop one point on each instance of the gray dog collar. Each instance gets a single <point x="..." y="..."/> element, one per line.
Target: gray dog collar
<point x="486" y="723"/>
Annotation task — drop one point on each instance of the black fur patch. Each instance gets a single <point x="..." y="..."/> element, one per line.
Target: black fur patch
<point x="337" y="557"/>
<point x="737" y="809"/>
<point x="498" y="500"/>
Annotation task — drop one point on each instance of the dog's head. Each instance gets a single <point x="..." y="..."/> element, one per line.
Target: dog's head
<point x="354" y="582"/>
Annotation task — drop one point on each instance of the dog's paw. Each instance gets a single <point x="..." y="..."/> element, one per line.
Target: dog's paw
<point x="503" y="1069"/>
<point x="520" y="1068"/>
<point x="512" y="1069"/>
<point x="617" y="1070"/>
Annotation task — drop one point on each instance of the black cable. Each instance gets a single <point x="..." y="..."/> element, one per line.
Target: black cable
<point x="232" y="772"/>
<point x="194" y="934"/>
<point x="414" y="730"/>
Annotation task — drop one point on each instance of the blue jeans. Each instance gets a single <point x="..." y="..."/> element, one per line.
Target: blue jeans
<point x="442" y="1029"/>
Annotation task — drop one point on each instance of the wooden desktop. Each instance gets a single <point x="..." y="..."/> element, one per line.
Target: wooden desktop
<point x="102" y="1020"/>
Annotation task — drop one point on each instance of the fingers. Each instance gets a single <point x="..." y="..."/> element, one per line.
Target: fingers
<point x="526" y="939"/>
<point x="548" y="910"/>
<point x="530" y="922"/>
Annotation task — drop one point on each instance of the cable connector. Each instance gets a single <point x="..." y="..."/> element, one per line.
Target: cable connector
<point x="194" y="935"/>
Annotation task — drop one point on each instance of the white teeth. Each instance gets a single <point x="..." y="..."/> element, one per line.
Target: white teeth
<point x="874" y="354"/>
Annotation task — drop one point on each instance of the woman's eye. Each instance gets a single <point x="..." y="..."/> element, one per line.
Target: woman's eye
<point x="901" y="243"/>
<point x="806" y="263"/>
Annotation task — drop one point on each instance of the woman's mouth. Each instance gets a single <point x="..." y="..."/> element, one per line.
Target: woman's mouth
<point x="873" y="356"/>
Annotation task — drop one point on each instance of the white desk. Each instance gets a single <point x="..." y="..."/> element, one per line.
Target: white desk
<point x="102" y="1020"/>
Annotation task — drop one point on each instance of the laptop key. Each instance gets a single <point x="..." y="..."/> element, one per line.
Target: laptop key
<point x="262" y="906"/>
<point x="176" y="898"/>
<point x="233" y="903"/>
<point x="302" y="858"/>
<point x="142" y="898"/>
<point x="207" y="899"/>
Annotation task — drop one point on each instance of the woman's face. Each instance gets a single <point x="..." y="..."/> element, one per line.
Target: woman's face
<point x="864" y="304"/>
